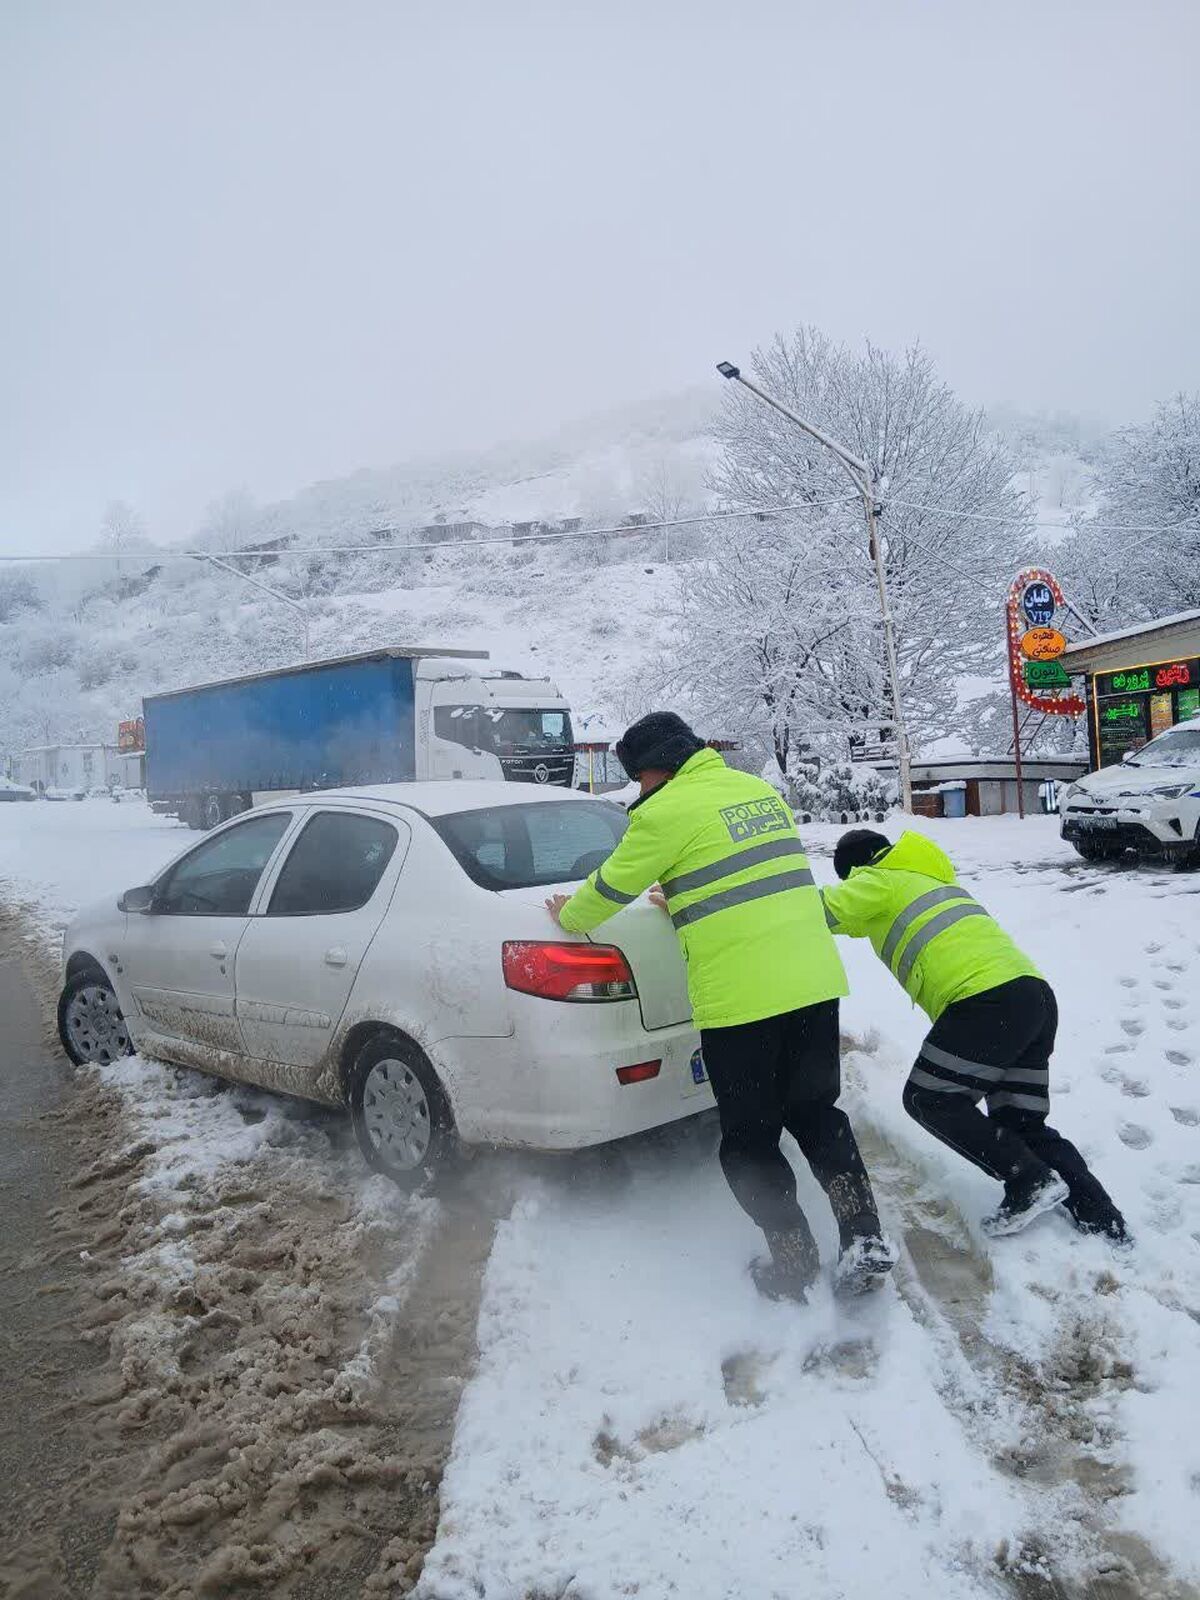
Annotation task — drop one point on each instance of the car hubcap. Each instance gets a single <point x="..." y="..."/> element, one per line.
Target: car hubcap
<point x="396" y="1113"/>
<point x="95" y="1025"/>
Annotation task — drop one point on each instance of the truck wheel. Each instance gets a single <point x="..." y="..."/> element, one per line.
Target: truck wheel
<point x="401" y="1116"/>
<point x="90" y="1023"/>
<point x="212" y="811"/>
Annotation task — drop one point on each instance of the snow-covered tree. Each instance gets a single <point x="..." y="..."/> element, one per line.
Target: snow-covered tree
<point x="1149" y="476"/>
<point x="784" y="619"/>
<point x="121" y="528"/>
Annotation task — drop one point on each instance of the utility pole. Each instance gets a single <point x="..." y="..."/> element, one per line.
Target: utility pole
<point x="284" y="599"/>
<point x="867" y="486"/>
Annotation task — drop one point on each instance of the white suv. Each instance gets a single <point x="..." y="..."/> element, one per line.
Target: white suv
<point x="1150" y="803"/>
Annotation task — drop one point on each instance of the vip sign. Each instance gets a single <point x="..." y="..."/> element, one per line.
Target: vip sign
<point x="1034" y="600"/>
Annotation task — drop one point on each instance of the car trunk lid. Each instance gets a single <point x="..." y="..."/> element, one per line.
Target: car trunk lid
<point x="644" y="936"/>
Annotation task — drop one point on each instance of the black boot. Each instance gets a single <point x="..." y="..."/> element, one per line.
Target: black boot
<point x="1027" y="1194"/>
<point x="1090" y="1207"/>
<point x="867" y="1254"/>
<point x="792" y="1267"/>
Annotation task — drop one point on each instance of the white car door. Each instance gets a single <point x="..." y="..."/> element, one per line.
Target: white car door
<point x="298" y="959"/>
<point x="178" y="958"/>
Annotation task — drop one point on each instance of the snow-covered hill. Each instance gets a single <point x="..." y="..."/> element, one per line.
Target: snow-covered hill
<point x="82" y="642"/>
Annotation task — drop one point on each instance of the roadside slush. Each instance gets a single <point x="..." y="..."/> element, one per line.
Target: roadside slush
<point x="231" y="1357"/>
<point x="54" y="1240"/>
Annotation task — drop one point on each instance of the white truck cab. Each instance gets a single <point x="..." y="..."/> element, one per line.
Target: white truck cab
<point x="477" y="722"/>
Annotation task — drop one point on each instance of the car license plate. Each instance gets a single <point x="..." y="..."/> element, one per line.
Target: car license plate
<point x="699" y="1075"/>
<point x="1097" y="822"/>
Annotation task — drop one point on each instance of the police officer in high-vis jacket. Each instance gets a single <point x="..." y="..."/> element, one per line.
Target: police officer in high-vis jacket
<point x="994" y="1021"/>
<point x="764" y="978"/>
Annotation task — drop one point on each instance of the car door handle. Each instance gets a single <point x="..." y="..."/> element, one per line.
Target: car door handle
<point x="335" y="956"/>
<point x="218" y="951"/>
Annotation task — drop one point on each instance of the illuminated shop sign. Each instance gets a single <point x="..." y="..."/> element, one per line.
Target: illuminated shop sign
<point x="1152" y="679"/>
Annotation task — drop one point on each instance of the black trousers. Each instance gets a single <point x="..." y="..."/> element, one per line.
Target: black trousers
<point x="785" y="1072"/>
<point x="996" y="1046"/>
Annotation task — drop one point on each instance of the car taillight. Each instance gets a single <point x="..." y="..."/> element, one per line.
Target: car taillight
<point x="640" y="1073"/>
<point x="567" y="971"/>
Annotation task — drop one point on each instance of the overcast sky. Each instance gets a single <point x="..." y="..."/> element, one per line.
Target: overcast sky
<point x="263" y="243"/>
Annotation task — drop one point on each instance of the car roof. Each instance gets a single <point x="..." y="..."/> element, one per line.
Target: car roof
<point x="439" y="799"/>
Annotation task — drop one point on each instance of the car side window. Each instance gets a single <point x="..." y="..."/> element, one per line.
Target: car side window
<point x="219" y="877"/>
<point x="335" y="865"/>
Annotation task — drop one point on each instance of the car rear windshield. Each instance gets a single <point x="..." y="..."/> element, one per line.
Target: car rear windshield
<point x="521" y="847"/>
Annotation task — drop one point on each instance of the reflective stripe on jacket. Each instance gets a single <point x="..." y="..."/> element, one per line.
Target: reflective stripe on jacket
<point x="724" y="847"/>
<point x="933" y="936"/>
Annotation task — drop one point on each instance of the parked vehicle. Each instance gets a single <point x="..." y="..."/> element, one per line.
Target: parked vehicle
<point x="384" y="716"/>
<point x="1150" y="803"/>
<point x="388" y="950"/>
<point x="67" y="792"/>
<point x="15" y="791"/>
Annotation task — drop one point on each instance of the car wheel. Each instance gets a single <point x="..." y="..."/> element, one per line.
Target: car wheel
<point x="1090" y="852"/>
<point x="90" y="1023"/>
<point x="401" y="1116"/>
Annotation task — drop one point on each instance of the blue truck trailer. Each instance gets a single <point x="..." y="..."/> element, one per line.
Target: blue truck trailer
<point x="382" y="716"/>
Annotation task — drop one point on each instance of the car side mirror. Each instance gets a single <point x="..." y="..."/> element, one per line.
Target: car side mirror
<point x="140" y="900"/>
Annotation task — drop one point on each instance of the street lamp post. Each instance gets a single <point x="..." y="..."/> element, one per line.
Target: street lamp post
<point x="284" y="599"/>
<point x="867" y="486"/>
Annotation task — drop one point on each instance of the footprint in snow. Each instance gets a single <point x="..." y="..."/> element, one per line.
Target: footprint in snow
<point x="1135" y="1136"/>
<point x="1174" y="1005"/>
<point x="1177" y="1025"/>
<point x="1128" y="983"/>
<point x="1178" y="1058"/>
<point x="1188" y="1116"/>
<point x="1152" y="949"/>
<point x="1135" y="1087"/>
<point x="1116" y="1050"/>
<point x="1132" y="1027"/>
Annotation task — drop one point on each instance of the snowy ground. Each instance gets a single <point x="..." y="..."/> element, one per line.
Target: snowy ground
<point x="1018" y="1417"/>
<point x="642" y="1423"/>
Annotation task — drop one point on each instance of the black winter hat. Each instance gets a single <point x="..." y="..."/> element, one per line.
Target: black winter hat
<point x="661" y="739"/>
<point x="858" y="848"/>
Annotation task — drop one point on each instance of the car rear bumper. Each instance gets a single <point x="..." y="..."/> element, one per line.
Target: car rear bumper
<point x="563" y="1093"/>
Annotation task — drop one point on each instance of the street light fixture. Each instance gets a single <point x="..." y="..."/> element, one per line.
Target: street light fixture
<point x="867" y="486"/>
<point x="275" y="594"/>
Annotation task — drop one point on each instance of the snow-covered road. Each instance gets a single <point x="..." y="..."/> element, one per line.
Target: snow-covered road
<point x="1017" y="1417"/>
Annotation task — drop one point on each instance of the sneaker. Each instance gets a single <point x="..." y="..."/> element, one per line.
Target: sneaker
<point x="864" y="1264"/>
<point x="792" y="1267"/>
<point x="1024" y="1200"/>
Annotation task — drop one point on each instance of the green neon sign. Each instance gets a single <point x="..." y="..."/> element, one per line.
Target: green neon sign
<point x="1123" y="711"/>
<point x="1046" y="675"/>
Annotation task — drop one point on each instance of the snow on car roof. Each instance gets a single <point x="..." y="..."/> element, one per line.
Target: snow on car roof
<point x="440" y="798"/>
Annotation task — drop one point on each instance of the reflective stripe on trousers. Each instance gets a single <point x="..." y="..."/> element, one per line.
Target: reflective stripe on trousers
<point x="1022" y="1088"/>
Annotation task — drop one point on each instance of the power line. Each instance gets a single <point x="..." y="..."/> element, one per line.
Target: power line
<point x="980" y="516"/>
<point x="623" y="530"/>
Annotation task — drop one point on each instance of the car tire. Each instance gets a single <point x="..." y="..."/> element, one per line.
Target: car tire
<point x="402" y="1119"/>
<point x="90" y="1024"/>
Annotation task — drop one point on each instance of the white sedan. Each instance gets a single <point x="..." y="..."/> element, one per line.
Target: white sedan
<point x="388" y="950"/>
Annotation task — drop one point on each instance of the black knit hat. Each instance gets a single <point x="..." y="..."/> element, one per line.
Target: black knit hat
<point x="659" y="740"/>
<point x="858" y="848"/>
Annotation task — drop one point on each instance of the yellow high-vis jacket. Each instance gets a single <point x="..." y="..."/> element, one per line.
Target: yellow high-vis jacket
<point x="724" y="848"/>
